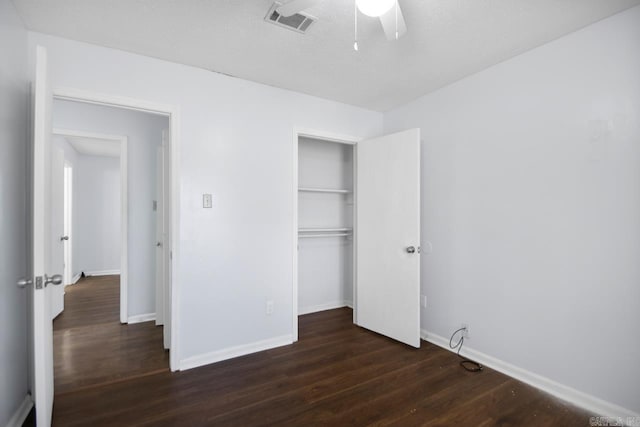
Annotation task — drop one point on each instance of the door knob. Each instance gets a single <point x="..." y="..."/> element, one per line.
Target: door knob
<point x="411" y="249"/>
<point x="158" y="244"/>
<point x="22" y="283"/>
<point x="64" y="238"/>
<point x="56" y="279"/>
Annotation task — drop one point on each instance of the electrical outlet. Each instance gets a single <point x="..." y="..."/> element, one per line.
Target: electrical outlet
<point x="423" y="301"/>
<point x="467" y="331"/>
<point x="269" y="308"/>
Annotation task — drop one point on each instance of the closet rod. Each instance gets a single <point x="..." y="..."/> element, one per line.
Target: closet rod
<point x="324" y="190"/>
<point x="306" y="236"/>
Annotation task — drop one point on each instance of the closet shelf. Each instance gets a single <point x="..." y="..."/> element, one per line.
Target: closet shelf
<point x="325" y="230"/>
<point x="323" y="190"/>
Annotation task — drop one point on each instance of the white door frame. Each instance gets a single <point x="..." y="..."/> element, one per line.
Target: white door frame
<point x="68" y="222"/>
<point x="173" y="113"/>
<point x="124" y="218"/>
<point x="327" y="137"/>
<point x="56" y="212"/>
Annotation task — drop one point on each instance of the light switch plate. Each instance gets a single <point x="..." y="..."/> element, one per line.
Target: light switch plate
<point x="207" y="201"/>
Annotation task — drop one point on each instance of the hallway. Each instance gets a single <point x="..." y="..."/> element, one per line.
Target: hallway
<point x="92" y="347"/>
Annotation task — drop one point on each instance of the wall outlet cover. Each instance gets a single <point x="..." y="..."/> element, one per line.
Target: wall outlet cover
<point x="207" y="201"/>
<point x="467" y="332"/>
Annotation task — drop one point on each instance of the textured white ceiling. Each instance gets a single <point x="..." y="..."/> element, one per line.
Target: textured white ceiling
<point x="447" y="39"/>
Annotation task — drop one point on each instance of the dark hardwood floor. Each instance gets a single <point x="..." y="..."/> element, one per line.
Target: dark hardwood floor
<point x="91" y="346"/>
<point x="337" y="374"/>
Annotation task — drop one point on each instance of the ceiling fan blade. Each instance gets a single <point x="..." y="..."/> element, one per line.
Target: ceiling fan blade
<point x="388" y="21"/>
<point x="295" y="6"/>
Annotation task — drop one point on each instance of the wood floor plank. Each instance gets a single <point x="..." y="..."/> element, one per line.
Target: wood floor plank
<point x="432" y="383"/>
<point x="337" y="374"/>
<point x="92" y="300"/>
<point x="91" y="347"/>
<point x="245" y="388"/>
<point x="306" y="389"/>
<point x="368" y="401"/>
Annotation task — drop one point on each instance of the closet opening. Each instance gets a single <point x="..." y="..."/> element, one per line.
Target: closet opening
<point x="325" y="224"/>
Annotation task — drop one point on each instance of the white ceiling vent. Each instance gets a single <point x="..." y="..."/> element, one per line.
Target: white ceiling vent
<point x="299" y="22"/>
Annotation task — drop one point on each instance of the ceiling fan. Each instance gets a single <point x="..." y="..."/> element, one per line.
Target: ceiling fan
<point x="388" y="11"/>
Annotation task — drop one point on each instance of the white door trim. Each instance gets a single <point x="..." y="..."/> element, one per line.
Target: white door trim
<point x="56" y="212"/>
<point x="124" y="218"/>
<point x="173" y="113"/>
<point x="328" y="137"/>
<point x="68" y="222"/>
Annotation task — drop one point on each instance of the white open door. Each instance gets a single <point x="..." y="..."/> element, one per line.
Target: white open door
<point x="160" y="237"/>
<point x="58" y="238"/>
<point x="166" y="235"/>
<point x="41" y="259"/>
<point x="388" y="236"/>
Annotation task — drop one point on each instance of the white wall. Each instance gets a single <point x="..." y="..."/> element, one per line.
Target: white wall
<point x="14" y="97"/>
<point x="96" y="224"/>
<point x="531" y="197"/>
<point x="236" y="143"/>
<point x="144" y="133"/>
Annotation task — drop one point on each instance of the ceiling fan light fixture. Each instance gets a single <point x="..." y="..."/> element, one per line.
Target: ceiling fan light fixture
<point x="375" y="8"/>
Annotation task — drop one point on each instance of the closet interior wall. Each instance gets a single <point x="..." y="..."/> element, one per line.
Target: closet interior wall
<point x="325" y="221"/>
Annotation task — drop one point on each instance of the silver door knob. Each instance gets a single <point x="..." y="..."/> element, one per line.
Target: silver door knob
<point x="64" y="238"/>
<point x="56" y="279"/>
<point x="158" y="244"/>
<point x="22" y="283"/>
<point x="411" y="249"/>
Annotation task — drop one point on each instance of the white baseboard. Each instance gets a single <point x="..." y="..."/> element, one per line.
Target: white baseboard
<point x="348" y="304"/>
<point x="75" y="279"/>
<point x="102" y="273"/>
<point x="21" y="413"/>
<point x="322" y="307"/>
<point x="139" y="318"/>
<point x="595" y="405"/>
<point x="231" y="352"/>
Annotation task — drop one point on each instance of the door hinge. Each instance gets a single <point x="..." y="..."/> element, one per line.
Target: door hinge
<point x="39" y="282"/>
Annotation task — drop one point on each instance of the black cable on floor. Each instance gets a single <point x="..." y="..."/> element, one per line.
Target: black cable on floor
<point x="469" y="365"/>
